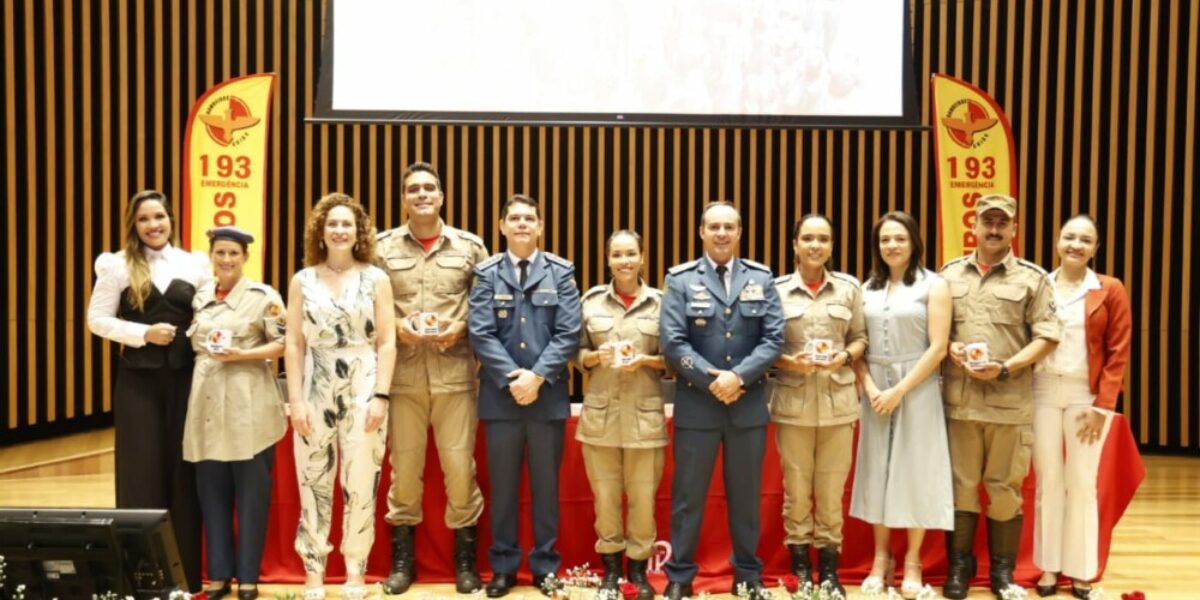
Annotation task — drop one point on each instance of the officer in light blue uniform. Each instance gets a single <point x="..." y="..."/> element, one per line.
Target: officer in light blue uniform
<point x="524" y="323"/>
<point x="721" y="327"/>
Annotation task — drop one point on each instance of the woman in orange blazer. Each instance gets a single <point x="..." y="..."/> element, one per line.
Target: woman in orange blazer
<point x="1075" y="392"/>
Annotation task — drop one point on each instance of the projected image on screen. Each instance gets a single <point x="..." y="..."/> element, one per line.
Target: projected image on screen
<point x="737" y="62"/>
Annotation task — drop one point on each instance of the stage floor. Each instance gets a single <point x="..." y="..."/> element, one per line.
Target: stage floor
<point x="1155" y="549"/>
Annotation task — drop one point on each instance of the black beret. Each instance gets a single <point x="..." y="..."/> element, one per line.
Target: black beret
<point x="230" y="233"/>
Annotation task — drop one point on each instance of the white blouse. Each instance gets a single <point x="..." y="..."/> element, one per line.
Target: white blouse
<point x="112" y="277"/>
<point x="1070" y="358"/>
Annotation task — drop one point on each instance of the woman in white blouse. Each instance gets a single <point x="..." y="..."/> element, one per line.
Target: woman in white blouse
<point x="1075" y="390"/>
<point x="143" y="301"/>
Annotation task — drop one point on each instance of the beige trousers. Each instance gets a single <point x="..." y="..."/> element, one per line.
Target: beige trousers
<point x="633" y="473"/>
<point x="994" y="454"/>
<point x="454" y="419"/>
<point x="816" y="462"/>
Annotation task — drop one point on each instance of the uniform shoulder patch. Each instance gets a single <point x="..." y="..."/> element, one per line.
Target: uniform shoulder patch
<point x="560" y="261"/>
<point x="1032" y="265"/>
<point x="848" y="278"/>
<point x="687" y="266"/>
<point x="756" y="265"/>
<point x="958" y="261"/>
<point x="467" y="235"/>
<point x="594" y="291"/>
<point x="492" y="261"/>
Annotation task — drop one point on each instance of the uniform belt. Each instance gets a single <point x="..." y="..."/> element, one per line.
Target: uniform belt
<point x="891" y="360"/>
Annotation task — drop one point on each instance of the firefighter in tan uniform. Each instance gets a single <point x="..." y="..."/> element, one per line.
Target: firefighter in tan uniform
<point x="430" y="265"/>
<point x="1008" y="304"/>
<point x="623" y="427"/>
<point x="814" y="402"/>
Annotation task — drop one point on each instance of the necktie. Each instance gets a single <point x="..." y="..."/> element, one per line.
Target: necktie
<point x="721" y="271"/>
<point x="524" y="266"/>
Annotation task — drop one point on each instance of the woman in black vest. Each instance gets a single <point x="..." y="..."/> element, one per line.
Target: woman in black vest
<point x="143" y="301"/>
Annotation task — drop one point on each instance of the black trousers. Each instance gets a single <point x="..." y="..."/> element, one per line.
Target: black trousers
<point x="150" y="408"/>
<point x="245" y="484"/>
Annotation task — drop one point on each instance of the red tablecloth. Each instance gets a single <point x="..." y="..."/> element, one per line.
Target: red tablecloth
<point x="1121" y="473"/>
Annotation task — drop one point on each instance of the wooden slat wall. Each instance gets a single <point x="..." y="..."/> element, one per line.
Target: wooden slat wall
<point x="1101" y="94"/>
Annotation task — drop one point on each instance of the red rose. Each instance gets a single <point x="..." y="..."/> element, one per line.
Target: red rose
<point x="629" y="590"/>
<point x="1134" y="595"/>
<point x="790" y="582"/>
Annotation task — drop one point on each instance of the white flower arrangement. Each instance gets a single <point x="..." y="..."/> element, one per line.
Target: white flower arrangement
<point x="1013" y="592"/>
<point x="808" y="591"/>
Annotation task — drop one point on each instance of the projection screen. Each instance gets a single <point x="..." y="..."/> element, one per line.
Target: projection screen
<point x="740" y="63"/>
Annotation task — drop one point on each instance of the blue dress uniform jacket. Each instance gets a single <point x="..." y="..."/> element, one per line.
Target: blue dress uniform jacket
<point x="700" y="328"/>
<point x="535" y="327"/>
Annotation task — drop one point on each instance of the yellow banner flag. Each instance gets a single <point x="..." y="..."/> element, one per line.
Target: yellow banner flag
<point x="225" y="163"/>
<point x="975" y="156"/>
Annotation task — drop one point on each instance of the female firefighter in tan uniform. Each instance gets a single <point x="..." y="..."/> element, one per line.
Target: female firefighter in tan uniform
<point x="814" y="403"/>
<point x="623" y="427"/>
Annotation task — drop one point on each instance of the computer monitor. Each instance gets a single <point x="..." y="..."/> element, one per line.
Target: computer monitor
<point x="78" y="553"/>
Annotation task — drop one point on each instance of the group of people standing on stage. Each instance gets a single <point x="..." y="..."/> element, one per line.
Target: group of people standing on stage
<point x="957" y="378"/>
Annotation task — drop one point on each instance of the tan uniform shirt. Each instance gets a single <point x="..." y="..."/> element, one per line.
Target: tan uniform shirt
<point x="1008" y="307"/>
<point x="834" y="313"/>
<point x="438" y="281"/>
<point x="621" y="409"/>
<point x="235" y="409"/>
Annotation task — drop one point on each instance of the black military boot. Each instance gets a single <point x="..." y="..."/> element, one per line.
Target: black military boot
<point x="466" y="575"/>
<point x="612" y="572"/>
<point x="637" y="576"/>
<point x="960" y="555"/>
<point x="1004" y="539"/>
<point x="827" y="564"/>
<point x="801" y="562"/>
<point x="404" y="561"/>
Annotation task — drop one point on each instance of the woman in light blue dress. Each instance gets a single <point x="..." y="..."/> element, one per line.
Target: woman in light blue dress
<point x="902" y="479"/>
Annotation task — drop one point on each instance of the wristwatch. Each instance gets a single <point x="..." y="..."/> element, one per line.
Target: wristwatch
<point x="1003" y="376"/>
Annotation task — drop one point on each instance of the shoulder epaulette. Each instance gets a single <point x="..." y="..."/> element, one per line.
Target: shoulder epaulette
<point x="783" y="279"/>
<point x="261" y="287"/>
<point x="687" y="266"/>
<point x="560" y="261"/>
<point x="654" y="292"/>
<point x="1032" y="265"/>
<point x="954" y="262"/>
<point x="848" y="278"/>
<point x="756" y="265"/>
<point x="467" y="235"/>
<point x="595" y="290"/>
<point x="492" y="261"/>
<point x="383" y="235"/>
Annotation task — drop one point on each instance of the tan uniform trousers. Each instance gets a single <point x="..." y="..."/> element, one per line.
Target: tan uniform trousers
<point x="816" y="462"/>
<point x="454" y="418"/>
<point x="634" y="473"/>
<point x="995" y="454"/>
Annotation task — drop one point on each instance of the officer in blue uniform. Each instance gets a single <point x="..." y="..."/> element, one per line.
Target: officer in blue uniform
<point x="524" y="322"/>
<point x="721" y="327"/>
